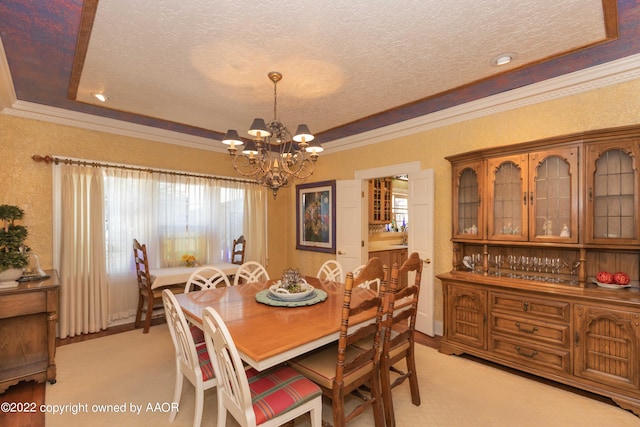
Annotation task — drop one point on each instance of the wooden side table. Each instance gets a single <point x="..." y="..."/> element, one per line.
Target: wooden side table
<point x="28" y="316"/>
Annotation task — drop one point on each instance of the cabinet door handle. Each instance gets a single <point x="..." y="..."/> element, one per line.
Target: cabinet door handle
<point x="533" y="353"/>
<point x="524" y="197"/>
<point x="590" y="194"/>
<point x="525" y="306"/>
<point x="528" y="331"/>
<point x="531" y="197"/>
<point x="341" y="253"/>
<point x="576" y="339"/>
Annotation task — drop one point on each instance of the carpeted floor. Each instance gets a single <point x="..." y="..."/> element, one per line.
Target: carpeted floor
<point x="103" y="382"/>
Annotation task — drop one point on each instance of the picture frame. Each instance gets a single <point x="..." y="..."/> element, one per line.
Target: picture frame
<point x="316" y="216"/>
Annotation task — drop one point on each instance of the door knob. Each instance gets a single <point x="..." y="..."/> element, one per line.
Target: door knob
<point x="341" y="253"/>
<point x="427" y="261"/>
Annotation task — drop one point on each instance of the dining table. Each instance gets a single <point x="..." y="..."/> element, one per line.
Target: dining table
<point x="267" y="335"/>
<point x="175" y="275"/>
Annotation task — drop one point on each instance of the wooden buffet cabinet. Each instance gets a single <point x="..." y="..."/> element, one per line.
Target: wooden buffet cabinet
<point x="533" y="223"/>
<point x="28" y="317"/>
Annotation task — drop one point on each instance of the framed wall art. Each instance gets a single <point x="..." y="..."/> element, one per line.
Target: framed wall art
<point x="316" y="216"/>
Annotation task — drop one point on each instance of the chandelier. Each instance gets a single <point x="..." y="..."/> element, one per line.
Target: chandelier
<point x="273" y="157"/>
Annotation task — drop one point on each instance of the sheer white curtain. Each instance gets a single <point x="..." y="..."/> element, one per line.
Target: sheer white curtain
<point x="255" y="223"/>
<point x="84" y="287"/>
<point x="172" y="213"/>
<point x="129" y="215"/>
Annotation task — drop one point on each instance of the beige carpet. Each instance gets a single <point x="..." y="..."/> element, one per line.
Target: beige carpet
<point x="130" y="368"/>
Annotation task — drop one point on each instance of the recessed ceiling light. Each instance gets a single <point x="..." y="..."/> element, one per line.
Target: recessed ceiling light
<point x="100" y="97"/>
<point x="502" y="59"/>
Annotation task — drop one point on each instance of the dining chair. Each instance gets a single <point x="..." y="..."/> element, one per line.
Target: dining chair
<point x="206" y="277"/>
<point x="331" y="270"/>
<point x="256" y="398"/>
<point x="398" y="343"/>
<point x="147" y="297"/>
<point x="192" y="359"/>
<point x="341" y="368"/>
<point x="370" y="275"/>
<point x="237" y="250"/>
<point x="250" y="272"/>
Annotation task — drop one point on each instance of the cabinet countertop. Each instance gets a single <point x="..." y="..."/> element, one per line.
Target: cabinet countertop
<point x="386" y="247"/>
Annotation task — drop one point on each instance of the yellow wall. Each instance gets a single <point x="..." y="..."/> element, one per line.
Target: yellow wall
<point x="28" y="184"/>
<point x="609" y="107"/>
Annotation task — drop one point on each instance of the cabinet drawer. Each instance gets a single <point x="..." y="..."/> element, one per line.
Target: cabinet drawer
<point x="23" y="303"/>
<point x="522" y="327"/>
<point x="530" y="306"/>
<point x="535" y="356"/>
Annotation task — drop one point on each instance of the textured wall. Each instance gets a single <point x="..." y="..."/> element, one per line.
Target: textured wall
<point x="614" y="106"/>
<point x="26" y="183"/>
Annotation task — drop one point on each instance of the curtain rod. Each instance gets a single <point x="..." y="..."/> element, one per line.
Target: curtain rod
<point x="56" y="161"/>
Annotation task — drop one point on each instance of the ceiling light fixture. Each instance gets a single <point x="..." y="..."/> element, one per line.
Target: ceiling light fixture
<point x="100" y="97"/>
<point x="502" y="59"/>
<point x="274" y="158"/>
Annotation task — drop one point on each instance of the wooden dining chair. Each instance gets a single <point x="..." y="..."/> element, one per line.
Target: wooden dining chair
<point x="250" y="272"/>
<point x="399" y="327"/>
<point x="370" y="275"/>
<point x="342" y="368"/>
<point x="192" y="359"/>
<point x="256" y="398"/>
<point x="331" y="270"/>
<point x="237" y="250"/>
<point x="147" y="297"/>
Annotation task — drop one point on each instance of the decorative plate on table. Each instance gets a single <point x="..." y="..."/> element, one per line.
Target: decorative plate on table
<point x="298" y="292"/>
<point x="266" y="297"/>
<point x="611" y="285"/>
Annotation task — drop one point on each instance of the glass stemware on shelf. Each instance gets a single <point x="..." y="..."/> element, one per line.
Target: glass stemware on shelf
<point x="543" y="269"/>
<point x="572" y="265"/>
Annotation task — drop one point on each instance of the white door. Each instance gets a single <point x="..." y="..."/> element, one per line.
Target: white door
<point x="421" y="238"/>
<point x="351" y="223"/>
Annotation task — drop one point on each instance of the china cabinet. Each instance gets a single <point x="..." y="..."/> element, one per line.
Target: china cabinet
<point x="468" y="180"/>
<point x="612" y="192"/>
<point x="380" y="192"/>
<point x="533" y="197"/>
<point x="550" y="215"/>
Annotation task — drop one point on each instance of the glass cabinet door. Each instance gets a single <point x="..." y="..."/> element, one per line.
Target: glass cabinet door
<point x="468" y="221"/>
<point x="613" y="192"/>
<point x="507" y="197"/>
<point x="553" y="195"/>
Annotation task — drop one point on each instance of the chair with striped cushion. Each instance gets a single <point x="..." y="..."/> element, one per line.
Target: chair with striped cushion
<point x="192" y="359"/>
<point x="342" y="368"/>
<point x="250" y="272"/>
<point x="206" y="277"/>
<point x="256" y="398"/>
<point x="399" y="327"/>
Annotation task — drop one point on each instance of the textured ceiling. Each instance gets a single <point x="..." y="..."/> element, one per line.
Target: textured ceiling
<point x="200" y="67"/>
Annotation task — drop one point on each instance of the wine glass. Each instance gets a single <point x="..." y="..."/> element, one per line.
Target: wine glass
<point x="572" y="265"/>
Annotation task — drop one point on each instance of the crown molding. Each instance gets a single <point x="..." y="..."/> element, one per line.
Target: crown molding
<point x="599" y="76"/>
<point x="608" y="74"/>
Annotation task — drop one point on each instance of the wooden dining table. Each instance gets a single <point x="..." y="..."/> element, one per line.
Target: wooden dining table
<point x="265" y="335"/>
<point x="175" y="275"/>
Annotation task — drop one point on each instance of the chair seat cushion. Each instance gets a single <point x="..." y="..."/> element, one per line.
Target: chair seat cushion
<point x="278" y="390"/>
<point x="205" y="362"/>
<point x="196" y="333"/>
<point x="320" y="366"/>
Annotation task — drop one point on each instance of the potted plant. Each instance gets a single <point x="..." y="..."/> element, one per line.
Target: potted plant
<point x="13" y="256"/>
